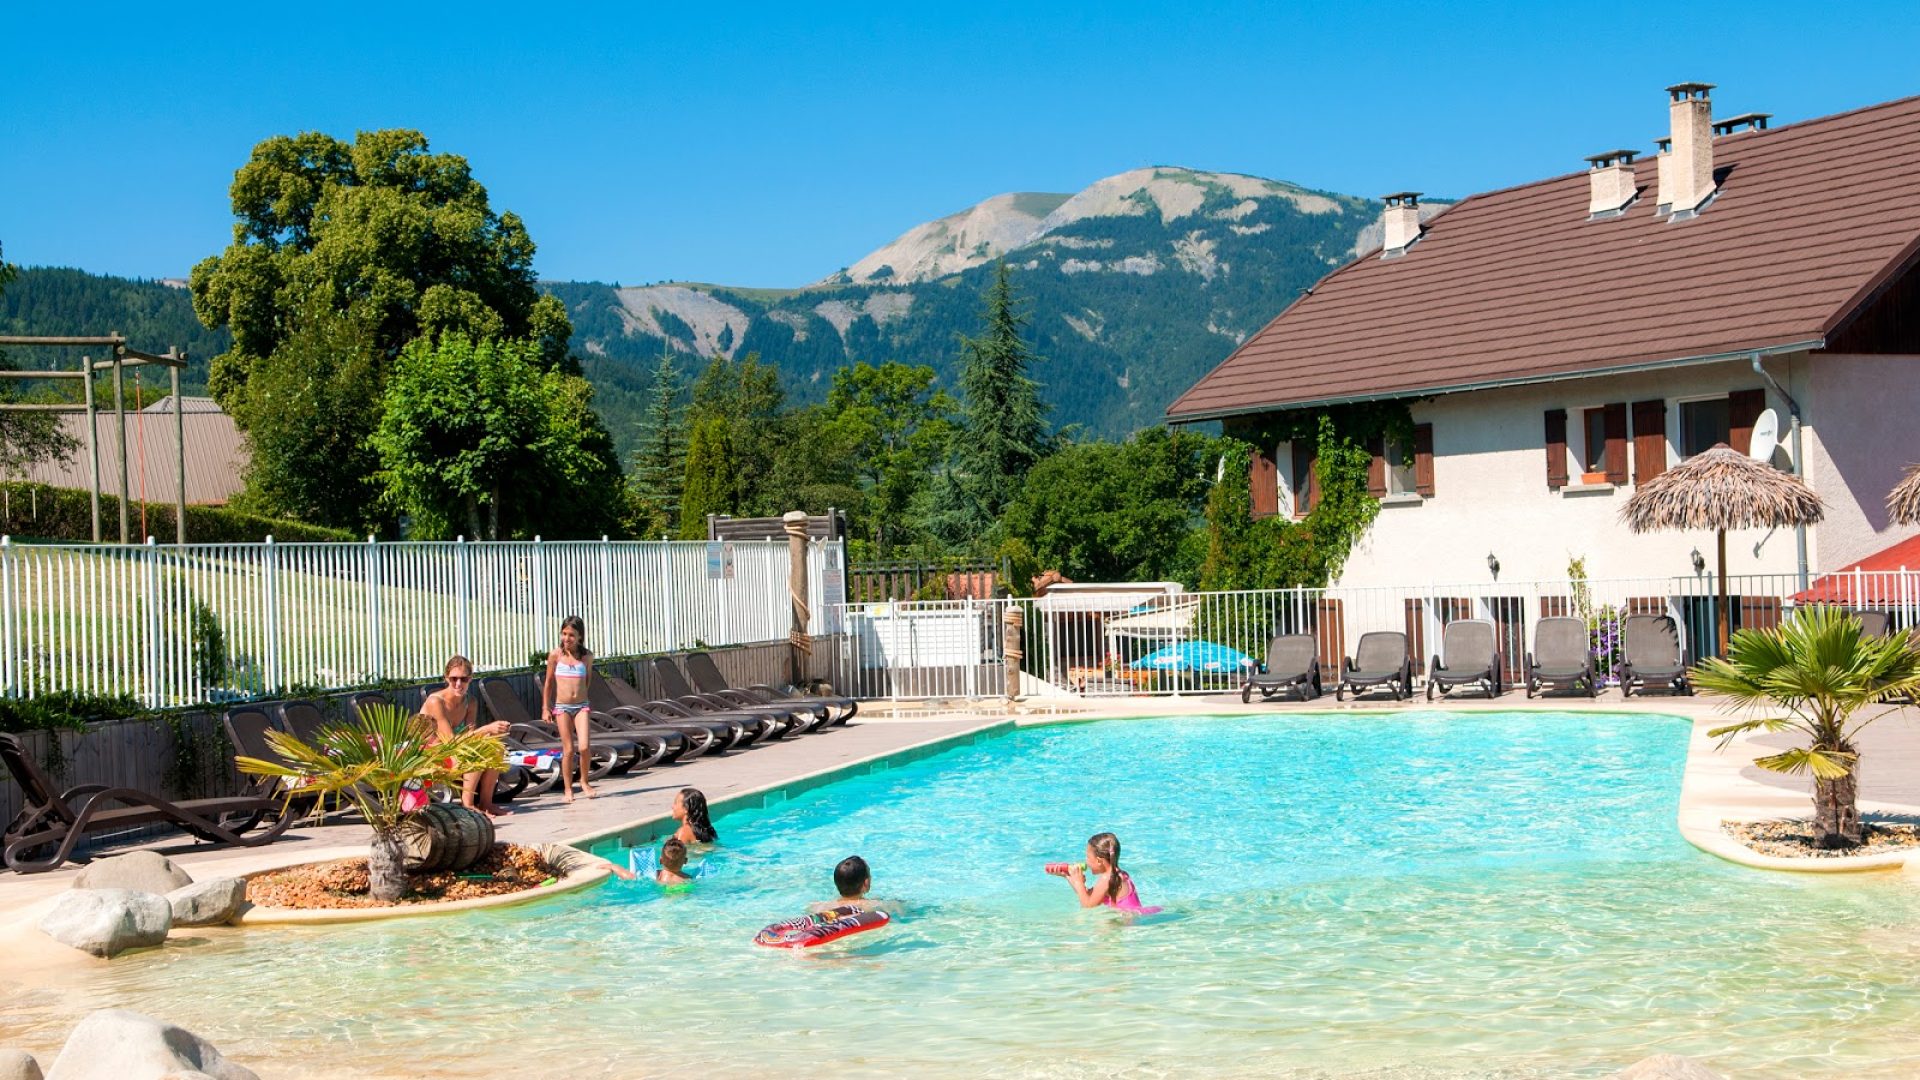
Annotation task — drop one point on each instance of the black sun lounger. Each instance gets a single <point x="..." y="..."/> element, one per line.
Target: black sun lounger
<point x="616" y="702"/>
<point x="52" y="822"/>
<point x="1293" y="668"/>
<point x="1380" y="660"/>
<point x="1562" y="657"/>
<point x="1651" y="655"/>
<point x="646" y="749"/>
<point x="1469" y="653"/>
<point x="833" y="709"/>
<point x="767" y="722"/>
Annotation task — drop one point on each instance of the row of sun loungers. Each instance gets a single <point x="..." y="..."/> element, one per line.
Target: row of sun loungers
<point x="1562" y="658"/>
<point x="701" y="713"/>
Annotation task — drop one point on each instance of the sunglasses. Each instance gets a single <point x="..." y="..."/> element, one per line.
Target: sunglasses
<point x="459" y="680"/>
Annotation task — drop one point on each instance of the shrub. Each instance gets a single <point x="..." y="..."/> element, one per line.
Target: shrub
<point x="61" y="514"/>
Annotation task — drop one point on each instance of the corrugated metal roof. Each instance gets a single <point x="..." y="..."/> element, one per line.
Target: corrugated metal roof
<point x="1518" y="285"/>
<point x="216" y="455"/>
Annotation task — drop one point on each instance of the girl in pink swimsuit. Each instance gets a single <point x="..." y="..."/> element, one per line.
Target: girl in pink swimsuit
<point x="1111" y="886"/>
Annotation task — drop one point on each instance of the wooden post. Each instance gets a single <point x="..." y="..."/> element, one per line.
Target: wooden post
<point x="1720" y="617"/>
<point x="179" y="455"/>
<point x="795" y="523"/>
<point x="93" y="447"/>
<point x="1012" y="647"/>
<point x="120" y="419"/>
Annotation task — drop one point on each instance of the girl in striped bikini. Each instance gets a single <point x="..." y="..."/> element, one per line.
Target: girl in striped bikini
<point x="564" y="694"/>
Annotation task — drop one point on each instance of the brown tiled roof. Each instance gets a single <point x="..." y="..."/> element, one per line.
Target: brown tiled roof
<point x="1517" y="285"/>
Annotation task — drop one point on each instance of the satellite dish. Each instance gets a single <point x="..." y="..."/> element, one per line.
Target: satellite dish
<point x="1766" y="436"/>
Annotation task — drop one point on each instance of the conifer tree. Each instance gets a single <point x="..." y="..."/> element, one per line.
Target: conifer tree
<point x="660" y="465"/>
<point x="1005" y="419"/>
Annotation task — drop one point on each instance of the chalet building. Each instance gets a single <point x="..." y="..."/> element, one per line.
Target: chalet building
<point x="1560" y="342"/>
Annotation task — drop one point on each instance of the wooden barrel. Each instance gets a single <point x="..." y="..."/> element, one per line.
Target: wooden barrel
<point x="444" y="837"/>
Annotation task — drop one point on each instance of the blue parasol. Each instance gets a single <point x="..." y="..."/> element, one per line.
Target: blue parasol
<point x="1194" y="656"/>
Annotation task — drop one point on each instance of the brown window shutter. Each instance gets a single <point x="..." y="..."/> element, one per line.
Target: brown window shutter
<point x="1306" y="486"/>
<point x="1649" y="440"/>
<point x="1423" y="458"/>
<point x="1614" y="419"/>
<point x="1743" y="408"/>
<point x="1556" y="448"/>
<point x="1377" y="467"/>
<point x="1263" y="478"/>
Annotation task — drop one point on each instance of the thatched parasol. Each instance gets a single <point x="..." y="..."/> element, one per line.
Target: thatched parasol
<point x="1721" y="489"/>
<point x="1903" y="502"/>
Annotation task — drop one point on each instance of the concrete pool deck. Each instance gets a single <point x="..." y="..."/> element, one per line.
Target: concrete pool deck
<point x="1719" y="784"/>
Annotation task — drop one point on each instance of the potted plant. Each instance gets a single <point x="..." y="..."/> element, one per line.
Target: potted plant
<point x="1820" y="670"/>
<point x="384" y="763"/>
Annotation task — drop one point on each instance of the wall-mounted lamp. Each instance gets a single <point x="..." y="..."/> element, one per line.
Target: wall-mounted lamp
<point x="1699" y="561"/>
<point x="1493" y="564"/>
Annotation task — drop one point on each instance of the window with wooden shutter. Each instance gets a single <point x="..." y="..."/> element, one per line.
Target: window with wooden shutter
<point x="1423" y="458"/>
<point x="1649" y="440"/>
<point x="1556" y="448"/>
<point x="1306" y="486"/>
<point x="1743" y="408"/>
<point x="1616" y="421"/>
<point x="1377" y="467"/>
<point x="1263" y="478"/>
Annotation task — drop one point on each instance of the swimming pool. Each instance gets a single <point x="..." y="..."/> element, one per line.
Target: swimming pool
<point x="1384" y="895"/>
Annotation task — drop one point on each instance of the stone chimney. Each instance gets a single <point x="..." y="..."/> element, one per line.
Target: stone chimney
<point x="1687" y="178"/>
<point x="1663" y="173"/>
<point x="1401" y="222"/>
<point x="1610" y="184"/>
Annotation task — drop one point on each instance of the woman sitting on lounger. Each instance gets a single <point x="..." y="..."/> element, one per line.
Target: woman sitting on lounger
<point x="453" y="710"/>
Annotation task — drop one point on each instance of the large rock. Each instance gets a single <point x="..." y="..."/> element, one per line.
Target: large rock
<point x="208" y="903"/>
<point x="115" y="1044"/>
<point x="18" y="1065"/>
<point x="1666" y="1067"/>
<point x="140" y="871"/>
<point x="107" y="922"/>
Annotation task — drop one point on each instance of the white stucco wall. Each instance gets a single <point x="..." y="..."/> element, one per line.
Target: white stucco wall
<point x="1491" y="494"/>
<point x="1863" y="430"/>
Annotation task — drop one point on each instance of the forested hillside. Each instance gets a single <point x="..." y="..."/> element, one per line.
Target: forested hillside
<point x="47" y="301"/>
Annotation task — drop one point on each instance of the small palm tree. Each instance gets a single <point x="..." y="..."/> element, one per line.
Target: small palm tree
<point x="381" y="763"/>
<point x="1821" y="670"/>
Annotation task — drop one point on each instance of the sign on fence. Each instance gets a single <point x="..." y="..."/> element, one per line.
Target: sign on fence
<point x="720" y="560"/>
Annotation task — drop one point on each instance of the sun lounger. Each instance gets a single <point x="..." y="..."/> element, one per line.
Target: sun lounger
<point x="1380" y="660"/>
<point x="247" y="728"/>
<point x="631" y="749"/>
<point x="776" y="720"/>
<point x="1873" y="624"/>
<point x="1469" y="653"/>
<point x="1651" y="655"/>
<point x="713" y="734"/>
<point x="706" y="676"/>
<point x="52" y="822"/>
<point x="1293" y="668"/>
<point x="1562" y="657"/>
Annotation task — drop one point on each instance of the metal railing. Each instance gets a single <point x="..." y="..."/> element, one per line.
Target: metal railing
<point x="1203" y="642"/>
<point x="179" y="624"/>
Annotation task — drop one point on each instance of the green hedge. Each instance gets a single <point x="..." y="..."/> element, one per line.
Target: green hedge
<point x="49" y="513"/>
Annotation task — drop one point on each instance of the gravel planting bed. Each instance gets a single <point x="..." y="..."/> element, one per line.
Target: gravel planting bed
<point x="508" y="868"/>
<point x="1793" y="839"/>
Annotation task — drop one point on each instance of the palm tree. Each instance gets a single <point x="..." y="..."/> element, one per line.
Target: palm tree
<point x="380" y="763"/>
<point x="1821" y="670"/>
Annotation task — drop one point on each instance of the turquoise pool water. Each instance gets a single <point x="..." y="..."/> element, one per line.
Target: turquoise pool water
<point x="1406" y="895"/>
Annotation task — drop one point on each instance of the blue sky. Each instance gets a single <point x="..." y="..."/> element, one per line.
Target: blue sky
<point x="771" y="145"/>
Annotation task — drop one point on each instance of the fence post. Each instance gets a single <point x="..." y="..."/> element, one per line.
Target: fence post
<point x="978" y="626"/>
<point x="671" y="590"/>
<point x="153" y="624"/>
<point x="12" y="629"/>
<point x="373" y="608"/>
<point x="1012" y="648"/>
<point x="462" y="590"/>
<point x="606" y="595"/>
<point x="270" y="581"/>
<point x="800" y="646"/>
<point x="539" y="590"/>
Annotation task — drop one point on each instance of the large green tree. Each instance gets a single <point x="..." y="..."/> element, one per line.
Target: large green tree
<point x="317" y="398"/>
<point x="714" y="478"/>
<point x="26" y="437"/>
<point x="1005" y="419"/>
<point x="897" y="426"/>
<point x="1132" y="511"/>
<point x="476" y="438"/>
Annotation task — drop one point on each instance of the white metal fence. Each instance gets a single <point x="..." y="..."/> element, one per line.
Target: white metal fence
<point x="1202" y="642"/>
<point x="151" y="621"/>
